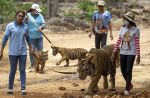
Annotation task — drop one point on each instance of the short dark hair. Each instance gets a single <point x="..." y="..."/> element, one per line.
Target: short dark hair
<point x="20" y="12"/>
<point x="30" y="10"/>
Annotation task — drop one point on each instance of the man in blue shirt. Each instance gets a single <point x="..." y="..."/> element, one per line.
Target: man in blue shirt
<point x="101" y="24"/>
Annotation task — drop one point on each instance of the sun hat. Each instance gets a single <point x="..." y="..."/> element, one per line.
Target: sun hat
<point x="36" y="7"/>
<point x="130" y="16"/>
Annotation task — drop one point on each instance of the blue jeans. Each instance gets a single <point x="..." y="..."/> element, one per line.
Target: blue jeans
<point x="37" y="43"/>
<point x="13" y="67"/>
<point x="127" y="62"/>
<point x="100" y="40"/>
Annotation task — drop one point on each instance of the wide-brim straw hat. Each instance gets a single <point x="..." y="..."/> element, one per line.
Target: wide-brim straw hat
<point x="130" y="16"/>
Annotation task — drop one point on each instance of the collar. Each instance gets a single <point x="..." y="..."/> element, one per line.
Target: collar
<point x="16" y="24"/>
<point x="101" y="12"/>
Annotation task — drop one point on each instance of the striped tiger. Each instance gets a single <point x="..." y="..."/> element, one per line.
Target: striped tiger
<point x="40" y="57"/>
<point x="96" y="64"/>
<point x="68" y="53"/>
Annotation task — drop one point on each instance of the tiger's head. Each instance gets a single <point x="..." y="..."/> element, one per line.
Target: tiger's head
<point x="54" y="50"/>
<point x="44" y="55"/>
<point x="41" y="55"/>
<point x="85" y="68"/>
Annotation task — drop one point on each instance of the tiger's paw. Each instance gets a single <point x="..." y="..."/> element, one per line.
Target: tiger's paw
<point x="91" y="92"/>
<point x="36" y="70"/>
<point x="105" y="85"/>
<point x="57" y="63"/>
<point x="66" y="65"/>
<point x="41" y="72"/>
<point x="112" y="89"/>
<point x="88" y="92"/>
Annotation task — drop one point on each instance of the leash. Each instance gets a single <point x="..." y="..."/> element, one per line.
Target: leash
<point x="53" y="69"/>
<point x="60" y="71"/>
<point x="46" y="37"/>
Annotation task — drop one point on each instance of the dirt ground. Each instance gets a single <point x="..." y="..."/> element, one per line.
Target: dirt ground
<point x="47" y="85"/>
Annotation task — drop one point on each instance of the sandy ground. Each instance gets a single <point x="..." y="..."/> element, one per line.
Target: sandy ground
<point x="47" y="85"/>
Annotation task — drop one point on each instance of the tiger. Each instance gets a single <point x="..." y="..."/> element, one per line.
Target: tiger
<point x="68" y="54"/>
<point x="40" y="58"/>
<point x="96" y="64"/>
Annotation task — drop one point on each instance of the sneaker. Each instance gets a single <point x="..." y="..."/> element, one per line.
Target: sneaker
<point x="23" y="92"/>
<point x="126" y="93"/>
<point x="10" y="91"/>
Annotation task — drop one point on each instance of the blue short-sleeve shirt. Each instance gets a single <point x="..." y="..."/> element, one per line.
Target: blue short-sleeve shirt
<point x="105" y="18"/>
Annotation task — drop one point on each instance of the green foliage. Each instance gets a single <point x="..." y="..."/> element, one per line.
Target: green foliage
<point x="8" y="8"/>
<point x="70" y="14"/>
<point x="43" y="8"/>
<point x="23" y="6"/>
<point x="88" y="7"/>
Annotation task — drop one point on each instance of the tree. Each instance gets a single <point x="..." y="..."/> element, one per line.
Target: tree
<point x="7" y="9"/>
<point x="52" y="6"/>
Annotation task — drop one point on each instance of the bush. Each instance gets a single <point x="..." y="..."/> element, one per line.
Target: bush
<point x="23" y="6"/>
<point x="70" y="14"/>
<point x="7" y="9"/>
<point x="88" y="7"/>
<point x="10" y="7"/>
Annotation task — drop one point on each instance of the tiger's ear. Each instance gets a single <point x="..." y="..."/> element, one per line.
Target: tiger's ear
<point x="52" y="46"/>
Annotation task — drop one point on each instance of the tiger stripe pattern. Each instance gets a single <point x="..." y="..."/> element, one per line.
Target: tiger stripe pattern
<point x="68" y="54"/>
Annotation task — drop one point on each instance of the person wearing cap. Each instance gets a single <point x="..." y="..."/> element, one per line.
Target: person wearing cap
<point x="36" y="22"/>
<point x="101" y="24"/>
<point x="128" y="41"/>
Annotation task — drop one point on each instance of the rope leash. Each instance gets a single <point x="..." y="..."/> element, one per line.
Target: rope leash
<point x="60" y="71"/>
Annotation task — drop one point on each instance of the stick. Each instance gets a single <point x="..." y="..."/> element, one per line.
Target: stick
<point x="46" y="37"/>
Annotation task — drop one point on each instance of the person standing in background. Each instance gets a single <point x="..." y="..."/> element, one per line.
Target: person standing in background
<point x="35" y="22"/>
<point x="101" y="24"/>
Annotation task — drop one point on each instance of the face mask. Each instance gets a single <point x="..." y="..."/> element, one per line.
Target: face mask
<point x="126" y="23"/>
<point x="35" y="12"/>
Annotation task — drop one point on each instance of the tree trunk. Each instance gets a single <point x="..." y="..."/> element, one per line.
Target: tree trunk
<point x="52" y="6"/>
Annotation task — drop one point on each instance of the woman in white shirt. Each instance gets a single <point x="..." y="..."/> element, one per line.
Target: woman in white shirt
<point x="128" y="41"/>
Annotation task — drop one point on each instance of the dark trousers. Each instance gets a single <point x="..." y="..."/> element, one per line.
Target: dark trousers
<point x="127" y="62"/>
<point x="13" y="67"/>
<point x="100" y="40"/>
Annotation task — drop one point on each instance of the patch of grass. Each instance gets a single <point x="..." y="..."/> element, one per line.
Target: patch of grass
<point x="10" y="7"/>
<point x="88" y="7"/>
<point x="70" y="14"/>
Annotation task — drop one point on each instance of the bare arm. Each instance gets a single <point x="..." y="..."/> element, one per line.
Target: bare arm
<point x="92" y="28"/>
<point x="110" y="29"/>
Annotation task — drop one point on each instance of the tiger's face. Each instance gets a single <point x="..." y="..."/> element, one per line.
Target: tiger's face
<point x="54" y="50"/>
<point x="45" y="55"/>
<point x="84" y="69"/>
